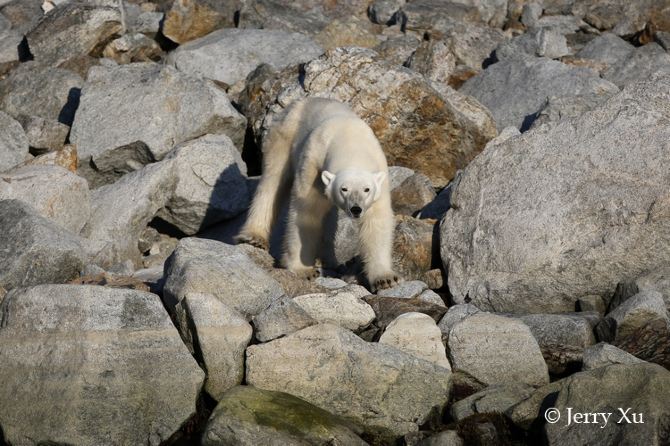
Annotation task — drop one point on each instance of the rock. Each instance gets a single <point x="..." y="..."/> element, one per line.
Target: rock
<point x="473" y="45"/>
<point x="607" y="48"/>
<point x="147" y="23"/>
<point x="603" y="355"/>
<point x="413" y="249"/>
<point x="339" y="308"/>
<point x="623" y="18"/>
<point x="35" y="90"/>
<point x="433" y="59"/>
<point x="544" y="248"/>
<point x="282" y="317"/>
<point x="387" y="309"/>
<point x="72" y="30"/>
<point x="120" y="211"/>
<point x="541" y="42"/>
<point x="119" y="134"/>
<point x="435" y="17"/>
<point x="531" y="13"/>
<point x="348" y="31"/>
<point x="476" y="346"/>
<point x="493" y="12"/>
<point x="36" y="250"/>
<point x="413" y="194"/>
<point x="663" y="39"/>
<point x="444" y="438"/>
<point x="65" y="158"/>
<point x="454" y="315"/>
<point x="398" y="49"/>
<point x="567" y="107"/>
<point x="385" y="391"/>
<point x="636" y="312"/>
<point x="639" y="64"/>
<point x="562" y="338"/>
<point x="384" y="11"/>
<point x="13" y="142"/>
<point x="418" y="335"/>
<point x="650" y="342"/>
<point x="331" y="283"/>
<point x="55" y="193"/>
<point x="643" y="387"/>
<point x="225" y="271"/>
<point x="495" y="398"/>
<point x="133" y="48"/>
<point x="431" y="132"/>
<point x="439" y="205"/>
<point x="116" y="347"/>
<point x="217" y="336"/>
<point x="44" y="135"/>
<point x="211" y="184"/>
<point x="229" y="55"/>
<point x="526" y="84"/>
<point x="657" y="279"/>
<point x="398" y="174"/>
<point x="9" y="54"/>
<point x="592" y="303"/>
<point x="248" y="416"/>
<point x="23" y="15"/>
<point x="411" y="289"/>
<point x="190" y="19"/>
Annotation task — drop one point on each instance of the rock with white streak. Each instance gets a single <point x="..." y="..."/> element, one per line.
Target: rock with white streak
<point x="418" y="335"/>
<point x="339" y="307"/>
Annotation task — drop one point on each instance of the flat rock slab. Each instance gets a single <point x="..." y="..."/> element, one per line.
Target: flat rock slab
<point x="13" y="142"/>
<point x="83" y="364"/>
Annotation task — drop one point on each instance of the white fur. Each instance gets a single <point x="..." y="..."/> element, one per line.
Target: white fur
<point x="321" y="155"/>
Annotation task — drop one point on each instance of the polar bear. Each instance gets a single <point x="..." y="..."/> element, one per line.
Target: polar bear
<point x="322" y="154"/>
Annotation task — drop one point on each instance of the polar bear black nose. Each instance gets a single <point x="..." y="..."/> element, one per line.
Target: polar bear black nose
<point x="356" y="211"/>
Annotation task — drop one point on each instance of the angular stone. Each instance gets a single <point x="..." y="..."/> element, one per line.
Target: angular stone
<point x="384" y="11"/>
<point x="387" y="309"/>
<point x="65" y="158"/>
<point x="36" y="250"/>
<point x="118" y="133"/>
<point x="418" y="335"/>
<point x="636" y="312"/>
<point x="398" y="49"/>
<point x="495" y="398"/>
<point x="348" y="31"/>
<point x="211" y="184"/>
<point x="435" y="17"/>
<point x="568" y="107"/>
<point x="54" y="192"/>
<point x="514" y="91"/>
<point x="282" y="317"/>
<point x="411" y="289"/>
<point x="133" y="48"/>
<point x="639" y="64"/>
<point x="540" y="250"/>
<point x="13" y="142"/>
<point x="190" y="19"/>
<point x="229" y="55"/>
<point x="248" y="416"/>
<point x="217" y="336"/>
<point x="496" y="350"/>
<point x="67" y="346"/>
<point x="413" y="194"/>
<point x="414" y="250"/>
<point x="9" y="44"/>
<point x="44" y="135"/>
<point x="603" y="355"/>
<point x="385" y="391"/>
<point x="72" y="30"/>
<point x="433" y="59"/>
<point x="454" y="315"/>
<point x="207" y="266"/>
<point x="607" y="48"/>
<point x="338" y="307"/>
<point x="657" y="279"/>
<point x="23" y="15"/>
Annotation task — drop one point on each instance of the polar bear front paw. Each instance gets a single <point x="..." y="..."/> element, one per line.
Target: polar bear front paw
<point x="385" y="281"/>
<point x="307" y="273"/>
<point x="252" y="240"/>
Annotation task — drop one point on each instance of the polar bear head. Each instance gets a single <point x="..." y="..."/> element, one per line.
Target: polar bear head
<point x="353" y="190"/>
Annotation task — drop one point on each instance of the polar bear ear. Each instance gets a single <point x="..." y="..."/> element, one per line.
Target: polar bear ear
<point x="327" y="177"/>
<point x="379" y="178"/>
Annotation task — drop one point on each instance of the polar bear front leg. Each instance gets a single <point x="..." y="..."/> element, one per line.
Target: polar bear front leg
<point x="376" y="245"/>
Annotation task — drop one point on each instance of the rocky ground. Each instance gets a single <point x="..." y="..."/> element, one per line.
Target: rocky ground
<point x="529" y="145"/>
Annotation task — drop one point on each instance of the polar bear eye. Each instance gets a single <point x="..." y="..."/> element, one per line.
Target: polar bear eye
<point x="344" y="189"/>
<point x="367" y="189"/>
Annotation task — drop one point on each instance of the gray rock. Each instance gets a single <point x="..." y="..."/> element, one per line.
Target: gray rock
<point x="592" y="303"/>
<point x="658" y="280"/>
<point x="36" y="250"/>
<point x="115" y="347"/>
<point x="248" y="416"/>
<point x="412" y="195"/>
<point x="454" y="315"/>
<point x="497" y="350"/>
<point x="147" y="22"/>
<point x="44" y="135"/>
<point x="607" y="48"/>
<point x="133" y="48"/>
<point x="189" y="20"/>
<point x="211" y="267"/>
<point x="444" y="438"/>
<point x="398" y="49"/>
<point x="120" y="211"/>
<point x="435" y="17"/>
<point x="55" y="193"/>
<point x="339" y="307"/>
<point x="384" y="11"/>
<point x="211" y="184"/>
<point x="384" y="390"/>
<point x="472" y="44"/>
<point x="35" y="90"/>
<point x="639" y="64"/>
<point x="434" y="59"/>
<point x="74" y="29"/>
<point x="217" y="336"/>
<point x="439" y="206"/>
<point x="663" y="39"/>
<point x="398" y="174"/>
<point x="572" y="232"/>
<point x="120" y="134"/>
<point x="280" y="318"/>
<point x="418" y="335"/>
<point x="9" y="43"/>
<point x="567" y="107"/>
<point x="23" y="15"/>
<point x="493" y="12"/>
<point x="410" y="289"/>
<point x="331" y="283"/>
<point x="603" y="354"/>
<point x="562" y="338"/>
<point x="514" y="91"/>
<point x="495" y="398"/>
<point x="229" y="55"/>
<point x="13" y="142"/>
<point x="636" y="312"/>
<point x="645" y="388"/>
<point x="531" y="13"/>
<point x="541" y="42"/>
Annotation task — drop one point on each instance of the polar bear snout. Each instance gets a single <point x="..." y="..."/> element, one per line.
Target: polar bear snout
<point x="356" y="211"/>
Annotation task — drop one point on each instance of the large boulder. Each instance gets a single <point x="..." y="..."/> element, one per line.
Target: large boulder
<point x="211" y="184"/>
<point x="36" y="250"/>
<point x="229" y="55"/>
<point x="225" y="271"/>
<point x="13" y="142"/>
<point x="433" y="132"/>
<point x="386" y="391"/>
<point x="248" y="416"/>
<point x="54" y="192"/>
<point x="190" y="19"/>
<point x="119" y="133"/>
<point x="638" y="64"/>
<point x="86" y="364"/>
<point x="515" y="90"/>
<point x="538" y="222"/>
<point x="340" y="307"/>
